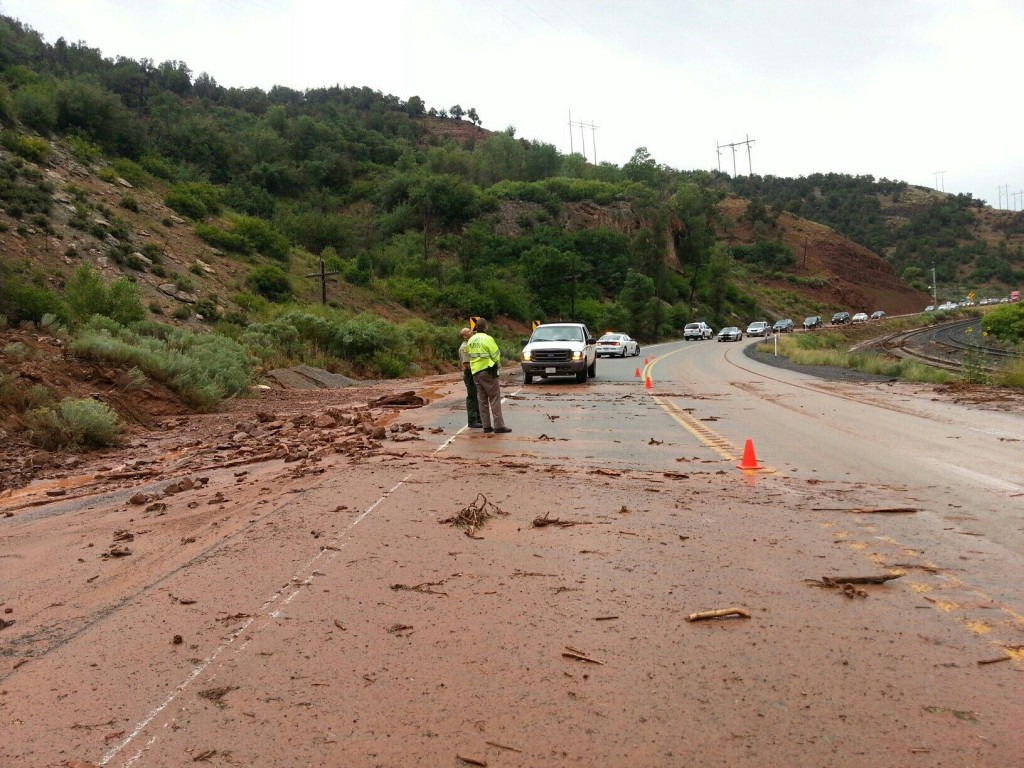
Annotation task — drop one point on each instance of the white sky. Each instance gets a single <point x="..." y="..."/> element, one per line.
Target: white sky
<point x="893" y="88"/>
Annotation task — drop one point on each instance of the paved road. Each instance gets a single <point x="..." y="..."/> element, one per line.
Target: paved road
<point x="327" y="617"/>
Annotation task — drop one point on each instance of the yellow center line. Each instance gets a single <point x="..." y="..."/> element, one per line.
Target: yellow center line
<point x="716" y="442"/>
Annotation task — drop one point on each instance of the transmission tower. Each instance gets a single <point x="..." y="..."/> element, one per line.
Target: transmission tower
<point x="583" y="139"/>
<point x="940" y="176"/>
<point x="733" y="146"/>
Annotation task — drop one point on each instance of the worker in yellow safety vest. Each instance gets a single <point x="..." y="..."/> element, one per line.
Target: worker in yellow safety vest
<point x="484" y="362"/>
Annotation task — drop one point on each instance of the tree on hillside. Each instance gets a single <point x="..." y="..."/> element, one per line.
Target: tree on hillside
<point x="473" y="116"/>
<point x="457" y="112"/>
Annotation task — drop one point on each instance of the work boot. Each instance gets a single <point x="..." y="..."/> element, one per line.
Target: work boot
<point x="502" y="430"/>
<point x="488" y="429"/>
<point x="476" y="425"/>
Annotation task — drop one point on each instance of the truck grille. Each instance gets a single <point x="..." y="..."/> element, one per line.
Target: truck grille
<point x="552" y="356"/>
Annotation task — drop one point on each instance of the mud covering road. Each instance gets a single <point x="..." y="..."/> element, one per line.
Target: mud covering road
<point x="275" y="586"/>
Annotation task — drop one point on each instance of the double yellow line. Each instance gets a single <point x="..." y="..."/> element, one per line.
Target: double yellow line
<point x="720" y="445"/>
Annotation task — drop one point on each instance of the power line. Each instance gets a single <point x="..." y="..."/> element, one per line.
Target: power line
<point x="583" y="140"/>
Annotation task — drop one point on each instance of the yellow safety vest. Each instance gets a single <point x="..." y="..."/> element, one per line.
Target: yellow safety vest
<point x="483" y="352"/>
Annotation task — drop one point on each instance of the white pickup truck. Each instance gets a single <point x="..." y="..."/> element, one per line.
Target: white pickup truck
<point x="560" y="349"/>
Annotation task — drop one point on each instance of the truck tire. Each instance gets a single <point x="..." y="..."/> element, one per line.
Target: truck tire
<point x="581" y="377"/>
<point x="528" y="378"/>
<point x="592" y="370"/>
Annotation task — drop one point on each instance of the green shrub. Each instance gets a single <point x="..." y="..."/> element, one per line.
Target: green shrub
<point x="159" y="167"/>
<point x="107" y="174"/>
<point x="87" y="294"/>
<point x="35" y="106"/>
<point x="19" y="398"/>
<point x="202" y="368"/>
<point x="128" y="202"/>
<point x="196" y="200"/>
<point x="85" y="151"/>
<point x="1005" y="323"/>
<point x="74" y="423"/>
<point x="21" y="301"/>
<point x="36" y="150"/>
<point x="17" y="351"/>
<point x="271" y="282"/>
<point x="181" y="312"/>
<point x="219" y="238"/>
<point x="131" y="172"/>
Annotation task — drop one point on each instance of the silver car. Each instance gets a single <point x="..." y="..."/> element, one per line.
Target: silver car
<point x="730" y="333"/>
<point x="759" y="328"/>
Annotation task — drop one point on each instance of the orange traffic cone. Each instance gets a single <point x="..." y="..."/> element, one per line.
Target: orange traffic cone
<point x="749" y="459"/>
<point x="648" y="384"/>
<point x="637" y="374"/>
<point x="646" y="361"/>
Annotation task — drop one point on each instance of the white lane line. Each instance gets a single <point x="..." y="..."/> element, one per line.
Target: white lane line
<point x="324" y="551"/>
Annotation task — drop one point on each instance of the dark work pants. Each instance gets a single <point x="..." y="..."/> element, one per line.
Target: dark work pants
<point x="489" y="392"/>
<point x="472" y="404"/>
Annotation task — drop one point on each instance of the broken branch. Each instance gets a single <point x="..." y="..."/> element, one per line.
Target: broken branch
<point x="719" y="614"/>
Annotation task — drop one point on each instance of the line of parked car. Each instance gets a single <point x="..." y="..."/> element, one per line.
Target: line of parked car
<point x="762" y="328"/>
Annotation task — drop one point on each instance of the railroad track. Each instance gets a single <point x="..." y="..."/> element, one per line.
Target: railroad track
<point x="945" y="345"/>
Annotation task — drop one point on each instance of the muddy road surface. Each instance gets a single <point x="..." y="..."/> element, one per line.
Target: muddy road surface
<point x="312" y="580"/>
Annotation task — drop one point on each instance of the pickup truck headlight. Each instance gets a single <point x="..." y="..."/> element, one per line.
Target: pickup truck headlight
<point x="526" y="355"/>
<point x="577" y="355"/>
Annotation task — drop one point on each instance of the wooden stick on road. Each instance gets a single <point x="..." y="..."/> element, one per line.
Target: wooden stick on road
<point x="718" y="614"/>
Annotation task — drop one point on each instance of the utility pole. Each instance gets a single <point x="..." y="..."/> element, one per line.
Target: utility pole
<point x="733" y="146"/>
<point x="583" y="140"/>
<point x="940" y="176"/>
<point x="935" y="288"/>
<point x="322" y="274"/>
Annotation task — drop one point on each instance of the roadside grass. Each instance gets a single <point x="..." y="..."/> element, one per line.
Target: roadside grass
<point x="827" y="349"/>
<point x="1012" y="375"/>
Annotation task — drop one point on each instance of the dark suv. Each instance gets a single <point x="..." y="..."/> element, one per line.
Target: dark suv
<point x="814" y="321"/>
<point x="840" y="317"/>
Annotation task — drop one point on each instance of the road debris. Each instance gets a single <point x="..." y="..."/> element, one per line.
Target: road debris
<point x="719" y="613"/>
<point x="996" y="660"/>
<point x="340" y="626"/>
<point x="4" y="623"/>
<point x="177" y="640"/>
<point x="608" y="472"/>
<point x="472" y="761"/>
<point x="838" y="581"/>
<point x="868" y="510"/>
<point x="576" y="653"/>
<point x="652" y="441"/>
<point x="400" y="400"/>
<point x="424" y="587"/>
<point x="399" y="629"/>
<point x="848" y="590"/>
<point x="216" y="695"/>
<point x="473" y="516"/>
<point x="542" y="522"/>
<point x="605" y="618"/>
<point x="502" y="746"/>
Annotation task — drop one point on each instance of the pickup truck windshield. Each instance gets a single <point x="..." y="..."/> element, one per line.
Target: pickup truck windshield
<point x="558" y="333"/>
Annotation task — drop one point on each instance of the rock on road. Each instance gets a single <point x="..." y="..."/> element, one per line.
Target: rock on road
<point x="298" y="601"/>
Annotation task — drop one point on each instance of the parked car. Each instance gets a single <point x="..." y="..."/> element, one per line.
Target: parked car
<point x="730" y="333"/>
<point x="877" y="314"/>
<point x="699" y="330"/>
<point x="617" y="345"/>
<point x="759" y="328"/>
<point x="860" y="317"/>
<point x="930" y="308"/>
<point x="783" y="326"/>
<point x="560" y="349"/>
<point x="814" y="321"/>
<point x="840" y="317"/>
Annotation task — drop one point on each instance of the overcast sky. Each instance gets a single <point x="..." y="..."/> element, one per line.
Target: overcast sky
<point x="894" y="88"/>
